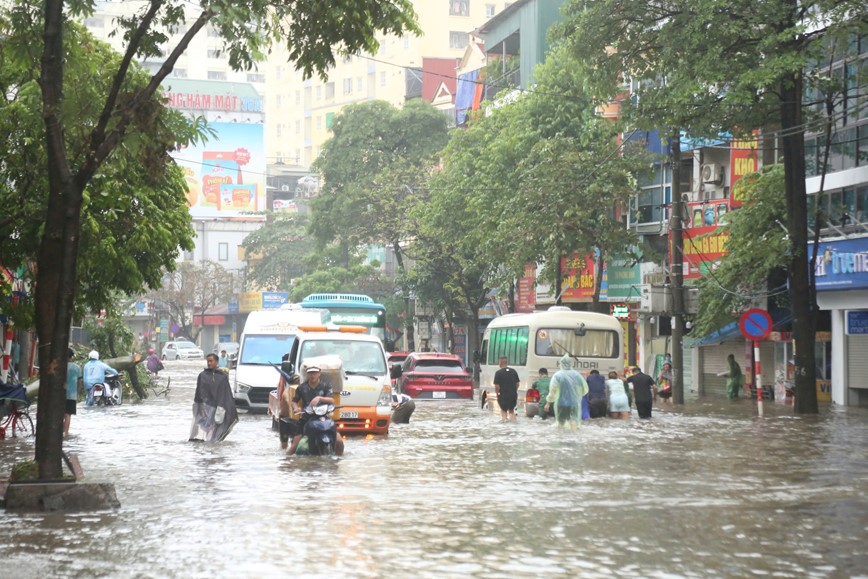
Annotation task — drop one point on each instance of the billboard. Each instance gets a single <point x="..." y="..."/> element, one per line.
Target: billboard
<point x="704" y="243"/>
<point x="226" y="175"/>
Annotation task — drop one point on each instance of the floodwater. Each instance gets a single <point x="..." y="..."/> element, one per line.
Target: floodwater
<point x="705" y="490"/>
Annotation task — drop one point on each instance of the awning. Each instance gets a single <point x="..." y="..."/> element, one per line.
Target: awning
<point x="781" y="321"/>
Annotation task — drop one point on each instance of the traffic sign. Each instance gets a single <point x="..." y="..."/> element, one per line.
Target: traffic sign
<point x="755" y="324"/>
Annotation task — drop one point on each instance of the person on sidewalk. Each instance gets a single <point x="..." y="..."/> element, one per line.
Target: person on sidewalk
<point x="73" y="387"/>
<point x="644" y="392"/>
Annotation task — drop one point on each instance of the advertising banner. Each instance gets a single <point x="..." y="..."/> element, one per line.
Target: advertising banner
<point x="621" y="280"/>
<point x="459" y="347"/>
<point x="226" y="175"/>
<point x="249" y="302"/>
<point x="743" y="160"/>
<point x="525" y="299"/>
<point x="704" y="243"/>
<point x="578" y="278"/>
<point x="273" y="300"/>
<point x="842" y="265"/>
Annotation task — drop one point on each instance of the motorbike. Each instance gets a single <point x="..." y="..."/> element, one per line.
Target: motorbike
<point x="320" y="432"/>
<point x="108" y="393"/>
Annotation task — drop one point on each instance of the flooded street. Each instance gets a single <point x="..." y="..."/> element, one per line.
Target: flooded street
<point x="707" y="490"/>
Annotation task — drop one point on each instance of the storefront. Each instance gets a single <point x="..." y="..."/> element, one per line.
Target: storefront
<point x="842" y="289"/>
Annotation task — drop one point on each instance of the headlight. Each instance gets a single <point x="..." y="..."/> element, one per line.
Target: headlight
<point x="385" y="398"/>
<point x="243" y="387"/>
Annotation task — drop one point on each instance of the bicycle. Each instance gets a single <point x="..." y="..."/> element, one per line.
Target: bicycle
<point x="14" y="411"/>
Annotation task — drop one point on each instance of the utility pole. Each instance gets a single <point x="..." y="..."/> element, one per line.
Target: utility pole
<point x="676" y="273"/>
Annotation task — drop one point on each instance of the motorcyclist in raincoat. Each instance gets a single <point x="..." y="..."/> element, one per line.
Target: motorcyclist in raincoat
<point x="566" y="391"/>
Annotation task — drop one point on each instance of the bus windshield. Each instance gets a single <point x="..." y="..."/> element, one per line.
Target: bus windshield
<point x="351" y="310"/>
<point x="265" y="349"/>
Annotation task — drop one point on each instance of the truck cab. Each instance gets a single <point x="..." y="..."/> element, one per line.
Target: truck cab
<point x="366" y="394"/>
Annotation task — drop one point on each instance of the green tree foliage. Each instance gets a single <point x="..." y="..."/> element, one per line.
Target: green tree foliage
<point x="707" y="66"/>
<point x="138" y="184"/>
<point x="761" y="246"/>
<point x="277" y="250"/>
<point x="313" y="32"/>
<point x="375" y="169"/>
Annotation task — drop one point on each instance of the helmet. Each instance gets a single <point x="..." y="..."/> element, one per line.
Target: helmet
<point x="151" y="351"/>
<point x="94" y="355"/>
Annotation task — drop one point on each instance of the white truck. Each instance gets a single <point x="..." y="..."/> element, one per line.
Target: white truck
<point x="365" y="398"/>
<point x="267" y="336"/>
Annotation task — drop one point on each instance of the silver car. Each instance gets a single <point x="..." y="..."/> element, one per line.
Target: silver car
<point x="182" y="350"/>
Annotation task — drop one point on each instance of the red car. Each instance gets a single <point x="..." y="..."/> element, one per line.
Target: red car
<point x="393" y="359"/>
<point x="435" y="376"/>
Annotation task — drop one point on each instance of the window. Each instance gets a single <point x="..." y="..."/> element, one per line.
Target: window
<point x="179" y="73"/>
<point x="319" y="92"/>
<point x="348" y="86"/>
<point x="319" y="122"/>
<point x="279" y="131"/>
<point x="278" y="100"/>
<point x="298" y="127"/>
<point x="94" y="22"/>
<point x="458" y="39"/>
<point x="223" y="251"/>
<point x="459" y="7"/>
<point x="490" y="10"/>
<point x="212" y="32"/>
<point x="216" y="75"/>
<point x="594" y="344"/>
<point x="359" y="84"/>
<point x="330" y="91"/>
<point x="298" y="97"/>
<point x="213" y="53"/>
<point x="255" y="77"/>
<point x="509" y="342"/>
<point x="382" y="79"/>
<point x="330" y="120"/>
<point x="649" y="204"/>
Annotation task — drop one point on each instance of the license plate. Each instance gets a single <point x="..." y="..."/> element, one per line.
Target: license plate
<point x="349" y="414"/>
<point x="439" y="395"/>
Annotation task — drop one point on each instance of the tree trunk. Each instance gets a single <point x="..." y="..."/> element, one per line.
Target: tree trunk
<point x="56" y="259"/>
<point x="802" y="292"/>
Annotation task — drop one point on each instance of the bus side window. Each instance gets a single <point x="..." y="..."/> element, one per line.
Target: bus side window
<point x="483" y="356"/>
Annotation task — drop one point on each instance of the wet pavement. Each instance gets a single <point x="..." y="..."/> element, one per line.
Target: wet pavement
<point x="704" y="490"/>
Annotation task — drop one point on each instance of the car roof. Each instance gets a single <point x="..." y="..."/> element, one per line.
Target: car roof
<point x="434" y="356"/>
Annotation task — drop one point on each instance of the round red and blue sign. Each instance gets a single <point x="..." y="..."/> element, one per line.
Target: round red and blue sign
<point x="755" y="324"/>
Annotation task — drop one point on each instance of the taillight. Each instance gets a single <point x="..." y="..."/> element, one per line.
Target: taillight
<point x="532" y="395"/>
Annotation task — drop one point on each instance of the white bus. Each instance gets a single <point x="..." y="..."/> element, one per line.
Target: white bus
<point x="540" y="339"/>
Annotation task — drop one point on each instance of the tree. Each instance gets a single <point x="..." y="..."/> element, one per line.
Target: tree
<point x="311" y="31"/>
<point x="134" y="185"/>
<point x="375" y="170"/>
<point x="756" y="258"/>
<point x="707" y="67"/>
<point x="191" y="290"/>
<point x="277" y="251"/>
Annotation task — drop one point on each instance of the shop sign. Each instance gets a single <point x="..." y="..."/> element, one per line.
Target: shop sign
<point x="273" y="300"/>
<point x="525" y="301"/>
<point x="704" y="243"/>
<point x="743" y="160"/>
<point x="857" y="322"/>
<point x="249" y="302"/>
<point x="621" y="280"/>
<point x="578" y="279"/>
<point x="842" y="265"/>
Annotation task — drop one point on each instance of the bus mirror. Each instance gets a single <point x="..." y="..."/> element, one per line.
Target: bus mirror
<point x="475" y="356"/>
<point x="287" y="367"/>
<point x="580" y="331"/>
<point x="395" y="372"/>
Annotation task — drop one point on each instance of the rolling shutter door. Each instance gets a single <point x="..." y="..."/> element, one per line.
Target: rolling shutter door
<point x="857" y="361"/>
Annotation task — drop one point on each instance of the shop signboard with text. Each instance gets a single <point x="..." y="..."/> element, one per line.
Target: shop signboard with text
<point x="577" y="278"/>
<point x="704" y="242"/>
<point x="743" y="160"/>
<point x="841" y="265"/>
<point x="621" y="280"/>
<point x="525" y="298"/>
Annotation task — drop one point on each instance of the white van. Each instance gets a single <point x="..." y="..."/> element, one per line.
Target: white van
<point x="267" y="336"/>
<point x="366" y="397"/>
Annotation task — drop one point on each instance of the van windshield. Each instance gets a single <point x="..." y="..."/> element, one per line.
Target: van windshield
<point x="265" y="350"/>
<point x="359" y="357"/>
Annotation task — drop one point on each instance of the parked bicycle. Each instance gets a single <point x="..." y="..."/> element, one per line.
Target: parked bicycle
<point x="14" y="411"/>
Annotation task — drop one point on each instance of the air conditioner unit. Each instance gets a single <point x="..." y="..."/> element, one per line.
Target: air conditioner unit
<point x="284" y="187"/>
<point x="712" y="174"/>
